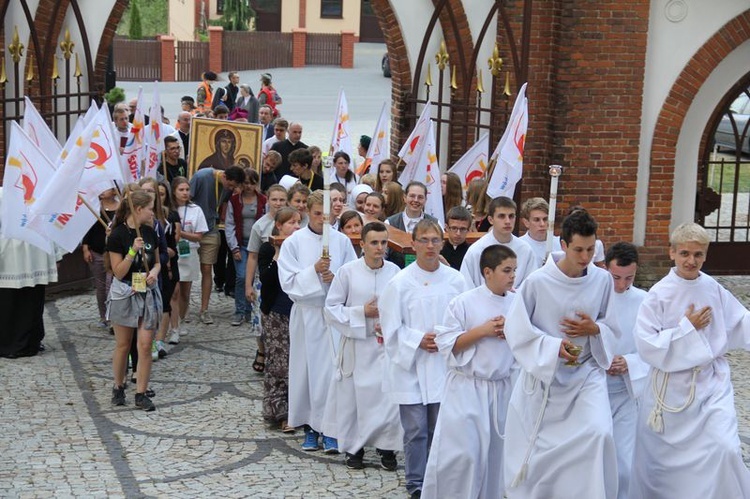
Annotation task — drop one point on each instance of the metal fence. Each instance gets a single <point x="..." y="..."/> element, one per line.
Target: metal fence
<point x="137" y="60"/>
<point x="243" y="50"/>
<point x="323" y="49"/>
<point x="192" y="60"/>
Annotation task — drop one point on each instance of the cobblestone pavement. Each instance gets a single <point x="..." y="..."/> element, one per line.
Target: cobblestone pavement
<point x="61" y="437"/>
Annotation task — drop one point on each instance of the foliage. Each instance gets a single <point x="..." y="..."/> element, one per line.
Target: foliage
<point x="135" y="30"/>
<point x="237" y="15"/>
<point x="115" y="96"/>
<point x="154" y="18"/>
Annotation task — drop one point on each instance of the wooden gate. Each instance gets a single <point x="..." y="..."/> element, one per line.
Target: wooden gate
<point x="723" y="205"/>
<point x="244" y="50"/>
<point x="192" y="60"/>
<point x="137" y="60"/>
<point x="323" y="49"/>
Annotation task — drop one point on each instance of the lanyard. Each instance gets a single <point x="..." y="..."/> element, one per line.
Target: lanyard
<point x="309" y="183"/>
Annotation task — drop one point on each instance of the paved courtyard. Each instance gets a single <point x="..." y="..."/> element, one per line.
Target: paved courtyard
<point x="61" y="437"/>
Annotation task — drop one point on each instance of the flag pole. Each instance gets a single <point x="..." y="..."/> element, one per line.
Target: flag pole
<point x="99" y="218"/>
<point x="327" y="163"/>
<point x="555" y="171"/>
<point x="164" y="165"/>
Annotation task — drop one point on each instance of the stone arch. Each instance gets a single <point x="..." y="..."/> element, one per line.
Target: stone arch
<point x="670" y="122"/>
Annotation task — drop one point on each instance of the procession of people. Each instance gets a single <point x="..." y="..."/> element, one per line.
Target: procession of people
<point x="396" y="331"/>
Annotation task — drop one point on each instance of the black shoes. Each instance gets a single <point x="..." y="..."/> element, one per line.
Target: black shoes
<point x="143" y="402"/>
<point x="354" y="461"/>
<point x="118" y="395"/>
<point x="388" y="460"/>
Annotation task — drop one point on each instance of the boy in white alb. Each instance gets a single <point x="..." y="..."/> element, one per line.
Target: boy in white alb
<point x="627" y="374"/>
<point x="305" y="276"/>
<point x="411" y="306"/>
<point x="466" y="459"/>
<point x="535" y="217"/>
<point x="358" y="412"/>
<point x="687" y="443"/>
<point x="502" y="215"/>
<point x="558" y="433"/>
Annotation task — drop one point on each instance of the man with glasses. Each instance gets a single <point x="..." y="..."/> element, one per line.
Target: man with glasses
<point x="175" y="166"/>
<point x="457" y="226"/>
<point x="410" y="307"/>
<point x="415" y="197"/>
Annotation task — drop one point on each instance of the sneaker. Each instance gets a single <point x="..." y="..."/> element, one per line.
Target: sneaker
<point x="330" y="445"/>
<point x="162" y="348"/>
<point x="143" y="402"/>
<point x="388" y="460"/>
<point x="103" y="325"/>
<point x="187" y="319"/>
<point x="237" y="320"/>
<point x="118" y="395"/>
<point x="174" y="337"/>
<point x="149" y="393"/>
<point x="354" y="461"/>
<point x="154" y="351"/>
<point x="311" y="440"/>
<point x="206" y="317"/>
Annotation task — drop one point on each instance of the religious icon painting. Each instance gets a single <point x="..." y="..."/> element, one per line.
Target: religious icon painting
<point x="221" y="144"/>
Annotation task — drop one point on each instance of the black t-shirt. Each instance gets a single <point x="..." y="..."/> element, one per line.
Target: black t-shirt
<point x="178" y="170"/>
<point x="121" y="239"/>
<point x="455" y="256"/>
<point x="95" y="237"/>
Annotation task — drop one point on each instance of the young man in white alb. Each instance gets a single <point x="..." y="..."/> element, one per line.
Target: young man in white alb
<point x="502" y="215"/>
<point x="358" y="412"/>
<point x="411" y="306"/>
<point x="466" y="459"/>
<point x="627" y="374"/>
<point x="535" y="218"/>
<point x="687" y="443"/>
<point x="562" y="331"/>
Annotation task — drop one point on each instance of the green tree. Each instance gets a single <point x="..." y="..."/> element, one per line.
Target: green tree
<point x="237" y="15"/>
<point x="135" y="32"/>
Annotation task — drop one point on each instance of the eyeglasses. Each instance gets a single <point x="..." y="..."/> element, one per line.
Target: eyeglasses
<point x="458" y="229"/>
<point x="173" y="148"/>
<point x="435" y="241"/>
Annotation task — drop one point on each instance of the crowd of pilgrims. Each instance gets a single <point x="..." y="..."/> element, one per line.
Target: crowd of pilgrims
<point x="490" y="369"/>
<point x="494" y="369"/>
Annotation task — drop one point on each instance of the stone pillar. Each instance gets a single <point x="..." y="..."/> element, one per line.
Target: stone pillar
<point x="299" y="47"/>
<point x="215" y="48"/>
<point x="347" y="49"/>
<point x="168" y="69"/>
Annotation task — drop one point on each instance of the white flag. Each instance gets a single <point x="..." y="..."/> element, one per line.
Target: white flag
<point x="103" y="161"/>
<point x="380" y="146"/>
<point x="61" y="195"/>
<point x="473" y="164"/>
<point x="39" y="132"/>
<point x="509" y="151"/>
<point x="427" y="171"/>
<point x="27" y="170"/>
<point x="133" y="153"/>
<point x="90" y="113"/>
<point x="154" y="135"/>
<point x="67" y="229"/>
<point x="416" y="138"/>
<point x="341" y="139"/>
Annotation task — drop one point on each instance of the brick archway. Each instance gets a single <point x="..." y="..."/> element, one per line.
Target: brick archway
<point x="401" y="80"/>
<point x="670" y="122"/>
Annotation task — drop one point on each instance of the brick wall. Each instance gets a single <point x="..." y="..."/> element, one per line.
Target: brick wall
<point x="299" y="47"/>
<point x="215" y="48"/>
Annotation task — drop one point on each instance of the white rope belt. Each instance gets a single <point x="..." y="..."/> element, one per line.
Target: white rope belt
<point x="656" y="417"/>
<point x="494" y="402"/>
<point x="521" y="476"/>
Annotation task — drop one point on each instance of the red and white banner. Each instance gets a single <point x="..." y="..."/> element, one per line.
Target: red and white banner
<point x="415" y="141"/>
<point x="28" y="171"/>
<point x="509" y="151"/>
<point x="380" y="144"/>
<point x="133" y="153"/>
<point x="473" y="164"/>
<point x="154" y="136"/>
<point x="341" y="139"/>
<point x="427" y="171"/>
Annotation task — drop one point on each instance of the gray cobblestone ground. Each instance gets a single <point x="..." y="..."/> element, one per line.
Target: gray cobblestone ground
<point x="61" y="437"/>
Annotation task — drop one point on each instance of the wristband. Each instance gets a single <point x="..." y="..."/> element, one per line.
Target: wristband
<point x="131" y="251"/>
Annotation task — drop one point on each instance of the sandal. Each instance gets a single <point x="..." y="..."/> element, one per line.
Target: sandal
<point x="259" y="364"/>
<point x="285" y="428"/>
